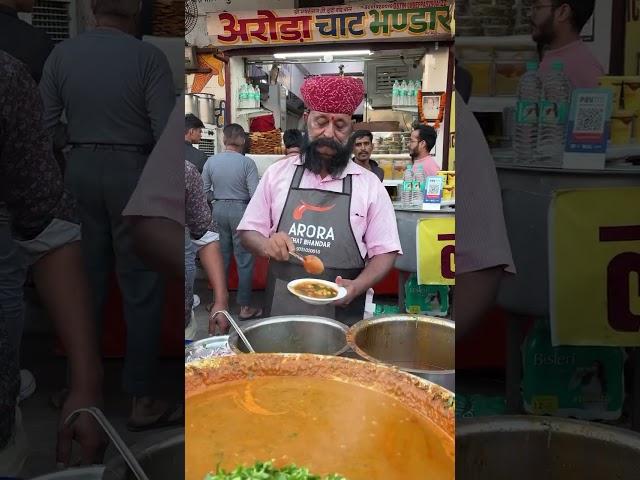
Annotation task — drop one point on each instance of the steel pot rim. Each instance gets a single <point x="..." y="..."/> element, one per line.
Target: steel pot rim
<point x="433" y="395"/>
<point x="252" y="324"/>
<point x="542" y="424"/>
<point x="362" y="324"/>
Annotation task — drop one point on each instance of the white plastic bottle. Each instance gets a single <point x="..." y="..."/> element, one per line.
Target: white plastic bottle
<point x="525" y="139"/>
<point x="395" y="90"/>
<point x="417" y="195"/>
<point x="411" y="97"/>
<point x="407" y="187"/>
<point x="554" y="113"/>
<point x="403" y="93"/>
<point x="255" y="96"/>
<point x="242" y="96"/>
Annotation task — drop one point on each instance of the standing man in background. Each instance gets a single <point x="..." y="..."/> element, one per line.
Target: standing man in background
<point x="556" y="27"/>
<point x="292" y="140"/>
<point x="362" y="150"/>
<point x="117" y="93"/>
<point x="192" y="135"/>
<point x="422" y="141"/>
<point x="230" y="180"/>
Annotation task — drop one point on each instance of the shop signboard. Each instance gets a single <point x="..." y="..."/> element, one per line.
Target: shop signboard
<point x="588" y="128"/>
<point x="409" y="21"/>
<point x="594" y="255"/>
<point x="435" y="249"/>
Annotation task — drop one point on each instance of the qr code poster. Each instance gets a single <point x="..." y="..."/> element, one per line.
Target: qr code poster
<point x="590" y="118"/>
<point x="433" y="190"/>
<point x="589" y="121"/>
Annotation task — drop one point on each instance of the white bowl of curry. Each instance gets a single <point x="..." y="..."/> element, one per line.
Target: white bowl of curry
<point x="316" y="291"/>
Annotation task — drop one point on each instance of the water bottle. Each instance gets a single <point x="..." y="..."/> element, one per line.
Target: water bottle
<point x="419" y="180"/>
<point x="257" y="96"/>
<point x="554" y="113"/>
<point x="527" y="118"/>
<point x="403" y="93"/>
<point x="407" y="187"/>
<point x="395" y="90"/>
<point x="411" y="96"/>
<point x="242" y="96"/>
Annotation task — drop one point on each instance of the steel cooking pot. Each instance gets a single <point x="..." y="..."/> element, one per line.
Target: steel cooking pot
<point x="547" y="447"/>
<point x="421" y="345"/>
<point x="292" y="334"/>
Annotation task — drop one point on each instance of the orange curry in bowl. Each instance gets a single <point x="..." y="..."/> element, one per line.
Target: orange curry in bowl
<point x="315" y="290"/>
<point x="329" y="414"/>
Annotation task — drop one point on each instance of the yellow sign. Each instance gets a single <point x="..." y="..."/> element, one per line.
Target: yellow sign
<point x="413" y="21"/>
<point x="436" y="250"/>
<point x="452" y="134"/>
<point x="594" y="257"/>
<point x="632" y="43"/>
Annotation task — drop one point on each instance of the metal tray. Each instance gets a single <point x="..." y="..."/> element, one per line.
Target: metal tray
<point x="207" y="348"/>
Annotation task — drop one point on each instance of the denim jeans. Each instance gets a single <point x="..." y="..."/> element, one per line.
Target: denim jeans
<point x="189" y="275"/>
<point x="13" y="271"/>
<point x="228" y="215"/>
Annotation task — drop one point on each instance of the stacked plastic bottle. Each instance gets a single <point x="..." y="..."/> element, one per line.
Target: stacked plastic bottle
<point x="407" y="187"/>
<point x="256" y="98"/>
<point x="395" y="94"/>
<point x="554" y="113"/>
<point x="527" y="118"/>
<point x="405" y="94"/>
<point x="249" y="96"/>
<point x="419" y="180"/>
<point x="411" y="94"/>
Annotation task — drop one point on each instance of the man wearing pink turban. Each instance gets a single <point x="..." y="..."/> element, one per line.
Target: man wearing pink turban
<point x="322" y="203"/>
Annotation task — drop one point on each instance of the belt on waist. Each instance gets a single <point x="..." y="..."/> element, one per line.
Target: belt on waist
<point x="230" y="200"/>
<point x="114" y="147"/>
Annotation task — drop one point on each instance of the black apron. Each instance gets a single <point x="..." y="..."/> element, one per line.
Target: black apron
<point x="319" y="224"/>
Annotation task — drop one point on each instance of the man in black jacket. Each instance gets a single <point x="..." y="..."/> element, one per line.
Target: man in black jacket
<point x="192" y="135"/>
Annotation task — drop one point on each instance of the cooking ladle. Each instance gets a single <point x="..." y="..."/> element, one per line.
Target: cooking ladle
<point x="310" y="263"/>
<point x="237" y="329"/>
<point x="111" y="432"/>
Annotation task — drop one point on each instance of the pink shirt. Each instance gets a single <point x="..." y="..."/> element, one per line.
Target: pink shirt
<point x="580" y="64"/>
<point x="373" y="219"/>
<point x="429" y="165"/>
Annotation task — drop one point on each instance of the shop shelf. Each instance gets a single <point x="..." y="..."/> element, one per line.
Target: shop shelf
<point x="252" y="111"/>
<point x="406" y="109"/>
<point x="623" y="151"/>
<point x="491" y="104"/>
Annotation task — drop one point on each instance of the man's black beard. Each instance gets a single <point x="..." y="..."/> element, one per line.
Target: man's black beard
<point x="545" y="35"/>
<point x="316" y="163"/>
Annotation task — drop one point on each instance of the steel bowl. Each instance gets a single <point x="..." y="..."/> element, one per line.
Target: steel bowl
<point x="421" y="345"/>
<point x="292" y="334"/>
<point x="532" y="448"/>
